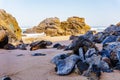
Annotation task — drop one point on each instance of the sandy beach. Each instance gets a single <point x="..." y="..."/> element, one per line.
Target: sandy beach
<point x="27" y="67"/>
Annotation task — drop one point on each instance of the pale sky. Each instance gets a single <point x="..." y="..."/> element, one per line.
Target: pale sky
<point x="95" y="12"/>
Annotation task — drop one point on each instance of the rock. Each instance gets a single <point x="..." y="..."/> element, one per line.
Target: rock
<point x="113" y="50"/>
<point x="66" y="65"/>
<point x="40" y="45"/>
<point x="3" y="39"/>
<point x="53" y="27"/>
<point x="99" y="37"/>
<point x="38" y="54"/>
<point x="90" y="52"/>
<point x="89" y="35"/>
<point x="81" y="54"/>
<point x="59" y="46"/>
<point x="72" y="37"/>
<point x="10" y="25"/>
<point x="112" y="29"/>
<point x="82" y="42"/>
<point x="9" y="47"/>
<point x="20" y="55"/>
<point x="58" y="57"/>
<point x="22" y="46"/>
<point x="109" y="39"/>
<point x="82" y="66"/>
<point x="118" y="39"/>
<point x="95" y="73"/>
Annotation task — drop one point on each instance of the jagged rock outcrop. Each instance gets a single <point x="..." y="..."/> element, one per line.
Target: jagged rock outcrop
<point x="53" y="27"/>
<point x="10" y="25"/>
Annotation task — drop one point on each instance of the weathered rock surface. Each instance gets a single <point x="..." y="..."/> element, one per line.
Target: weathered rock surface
<point x="65" y="66"/>
<point x="53" y="27"/>
<point x="10" y="25"/>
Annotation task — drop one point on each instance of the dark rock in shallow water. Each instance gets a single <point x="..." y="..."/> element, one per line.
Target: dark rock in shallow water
<point x="66" y="65"/>
<point x="109" y="39"/>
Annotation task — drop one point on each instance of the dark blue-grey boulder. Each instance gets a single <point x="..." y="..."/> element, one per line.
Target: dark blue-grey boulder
<point x="9" y="47"/>
<point x="65" y="66"/>
<point x="111" y="29"/>
<point x="89" y="35"/>
<point x="99" y="37"/>
<point x="109" y="39"/>
<point x="81" y="42"/>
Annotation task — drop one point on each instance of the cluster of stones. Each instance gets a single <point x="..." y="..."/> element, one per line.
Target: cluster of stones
<point x="87" y="59"/>
<point x="53" y="27"/>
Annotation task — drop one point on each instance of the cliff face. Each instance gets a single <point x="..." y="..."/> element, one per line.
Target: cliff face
<point x="53" y="27"/>
<point x="10" y="25"/>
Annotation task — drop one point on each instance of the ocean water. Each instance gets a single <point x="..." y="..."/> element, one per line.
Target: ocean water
<point x="97" y="28"/>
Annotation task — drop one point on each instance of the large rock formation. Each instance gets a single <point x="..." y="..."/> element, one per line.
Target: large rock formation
<point x="53" y="27"/>
<point x="10" y="25"/>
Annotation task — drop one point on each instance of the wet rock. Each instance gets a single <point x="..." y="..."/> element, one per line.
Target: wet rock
<point x="40" y="45"/>
<point x="109" y="39"/>
<point x="9" y="47"/>
<point x="66" y="65"/>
